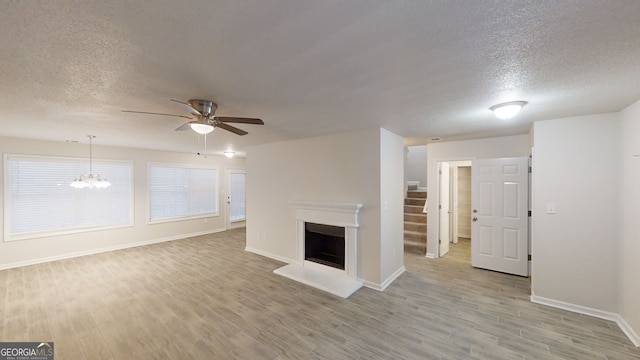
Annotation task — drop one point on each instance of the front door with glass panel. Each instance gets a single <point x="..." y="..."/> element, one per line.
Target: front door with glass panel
<point x="236" y="197"/>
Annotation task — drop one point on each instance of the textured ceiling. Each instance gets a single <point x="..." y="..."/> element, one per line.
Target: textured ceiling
<point x="418" y="68"/>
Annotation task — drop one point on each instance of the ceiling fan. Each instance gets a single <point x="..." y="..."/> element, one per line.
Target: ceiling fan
<point x="203" y="119"/>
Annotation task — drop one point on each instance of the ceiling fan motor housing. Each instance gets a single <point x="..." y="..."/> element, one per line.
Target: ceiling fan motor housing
<point x="205" y="107"/>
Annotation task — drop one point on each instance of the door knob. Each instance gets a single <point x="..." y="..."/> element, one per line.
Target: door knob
<point x="475" y="211"/>
<point x="475" y="218"/>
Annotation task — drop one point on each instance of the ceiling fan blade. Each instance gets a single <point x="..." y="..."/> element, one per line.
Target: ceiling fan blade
<point x="185" y="126"/>
<point x="155" y="113"/>
<point x="240" y="120"/>
<point x="233" y="129"/>
<point x="187" y="107"/>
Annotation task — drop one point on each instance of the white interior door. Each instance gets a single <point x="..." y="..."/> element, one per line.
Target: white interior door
<point x="499" y="226"/>
<point x="444" y="208"/>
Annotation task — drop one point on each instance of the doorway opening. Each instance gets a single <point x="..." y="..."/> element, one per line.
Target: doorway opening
<point x="454" y="203"/>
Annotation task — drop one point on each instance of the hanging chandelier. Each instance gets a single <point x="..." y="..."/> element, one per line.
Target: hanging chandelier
<point x="90" y="181"/>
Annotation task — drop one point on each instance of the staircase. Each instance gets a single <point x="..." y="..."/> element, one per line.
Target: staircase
<point x="415" y="222"/>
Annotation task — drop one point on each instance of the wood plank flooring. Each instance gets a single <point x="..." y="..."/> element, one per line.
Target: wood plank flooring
<point x="206" y="298"/>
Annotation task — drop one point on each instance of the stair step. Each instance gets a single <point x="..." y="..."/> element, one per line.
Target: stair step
<point x="414" y="201"/>
<point x="415" y="236"/>
<point x="417" y="194"/>
<point x="416" y="218"/>
<point x="416" y="248"/>
<point x="413" y="209"/>
<point x="415" y="242"/>
<point x="415" y="222"/>
<point x="411" y="226"/>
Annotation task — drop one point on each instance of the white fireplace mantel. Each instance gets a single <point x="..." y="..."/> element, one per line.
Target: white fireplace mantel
<point x="338" y="282"/>
<point x="328" y="213"/>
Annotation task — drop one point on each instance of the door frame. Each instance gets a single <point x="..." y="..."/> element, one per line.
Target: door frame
<point x="228" y="223"/>
<point x="453" y="195"/>
<point x="437" y="192"/>
<point x="444" y="237"/>
<point x="455" y="166"/>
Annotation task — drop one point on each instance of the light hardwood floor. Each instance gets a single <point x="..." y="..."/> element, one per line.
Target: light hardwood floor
<point x="206" y="298"/>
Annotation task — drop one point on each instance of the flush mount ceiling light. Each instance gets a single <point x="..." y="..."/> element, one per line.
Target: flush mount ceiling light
<point x="229" y="153"/>
<point x="90" y="181"/>
<point x="201" y="128"/>
<point x="507" y="110"/>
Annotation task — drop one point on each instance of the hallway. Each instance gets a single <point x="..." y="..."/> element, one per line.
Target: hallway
<point x="475" y="313"/>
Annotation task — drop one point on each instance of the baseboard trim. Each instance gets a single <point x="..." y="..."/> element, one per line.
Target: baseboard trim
<point x="269" y="255"/>
<point x="393" y="277"/>
<point x="384" y="284"/>
<point x="104" y="249"/>
<point x="628" y="330"/>
<point x="606" y="315"/>
<point x="371" y="285"/>
<point x="430" y="255"/>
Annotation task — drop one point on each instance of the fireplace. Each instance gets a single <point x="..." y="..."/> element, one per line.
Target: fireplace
<point x="326" y="247"/>
<point x="324" y="244"/>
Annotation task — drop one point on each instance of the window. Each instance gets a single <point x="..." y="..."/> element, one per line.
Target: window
<point x="39" y="201"/>
<point x="236" y="197"/>
<point x="178" y="192"/>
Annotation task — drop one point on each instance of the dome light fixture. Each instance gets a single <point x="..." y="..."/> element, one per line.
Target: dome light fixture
<point x="507" y="110"/>
<point x="229" y="153"/>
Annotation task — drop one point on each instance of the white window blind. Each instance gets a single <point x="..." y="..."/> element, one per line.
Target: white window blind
<point x="237" y="203"/>
<point x="176" y="193"/>
<point x="40" y="202"/>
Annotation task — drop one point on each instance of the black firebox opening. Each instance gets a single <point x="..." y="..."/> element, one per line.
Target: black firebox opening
<point x="324" y="244"/>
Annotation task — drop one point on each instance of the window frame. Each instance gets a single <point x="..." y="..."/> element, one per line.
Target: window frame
<point x="216" y="213"/>
<point x="8" y="211"/>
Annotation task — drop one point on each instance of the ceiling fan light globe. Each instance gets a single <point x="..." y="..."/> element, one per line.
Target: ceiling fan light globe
<point x="201" y="128"/>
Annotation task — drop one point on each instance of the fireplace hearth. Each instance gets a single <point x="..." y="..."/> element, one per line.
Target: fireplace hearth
<point x="326" y="247"/>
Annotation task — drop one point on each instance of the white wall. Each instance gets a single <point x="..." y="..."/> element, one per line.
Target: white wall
<point x="507" y="146"/>
<point x="342" y="168"/>
<point x="629" y="301"/>
<point x="575" y="251"/>
<point x="392" y="212"/>
<point x="22" y="252"/>
<point x="416" y="164"/>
